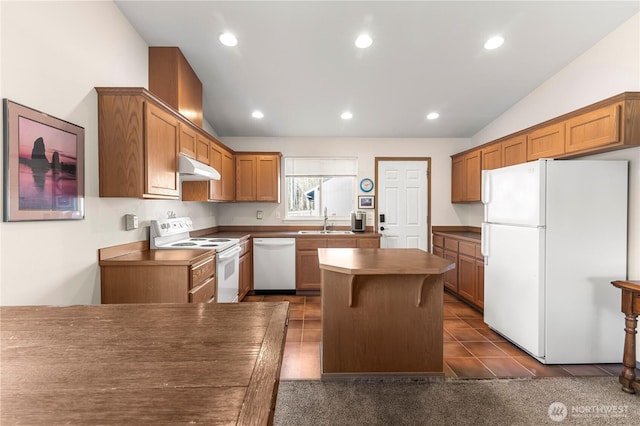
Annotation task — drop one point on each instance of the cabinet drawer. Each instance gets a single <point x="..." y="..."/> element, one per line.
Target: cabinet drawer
<point x="204" y="292"/>
<point x="438" y="241"/>
<point x="368" y="243"/>
<point x="342" y="243"/>
<point x="467" y="249"/>
<point x="201" y="271"/>
<point x="451" y="244"/>
<point x="310" y="243"/>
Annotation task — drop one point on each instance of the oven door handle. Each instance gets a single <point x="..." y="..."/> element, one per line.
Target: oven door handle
<point x="230" y="253"/>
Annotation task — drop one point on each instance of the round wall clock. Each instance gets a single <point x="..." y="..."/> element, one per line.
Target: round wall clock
<point x="366" y="185"/>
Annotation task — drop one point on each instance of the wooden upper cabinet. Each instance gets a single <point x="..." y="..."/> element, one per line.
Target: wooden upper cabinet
<point x="203" y="151"/>
<point x="172" y="79"/>
<point x="188" y="140"/>
<point x="466" y="175"/>
<point x="223" y="161"/>
<point x="258" y="177"/>
<point x="473" y="175"/>
<point x="492" y="156"/>
<point x="546" y="142"/>
<point x="138" y="144"/>
<point x="161" y="147"/>
<point x="457" y="179"/>
<point x="514" y="151"/>
<point x="593" y="129"/>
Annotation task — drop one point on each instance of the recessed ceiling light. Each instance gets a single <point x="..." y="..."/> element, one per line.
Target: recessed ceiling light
<point x="363" y="41"/>
<point x="257" y="114"/>
<point x="494" y="42"/>
<point x="346" y="115"/>
<point x="228" y="39"/>
<point x="432" y="116"/>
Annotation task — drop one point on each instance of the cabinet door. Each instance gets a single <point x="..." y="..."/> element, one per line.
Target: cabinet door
<point x="245" y="274"/>
<point x="451" y="276"/>
<point x="307" y="270"/>
<point x="215" y="161"/>
<point x="342" y="242"/>
<point x="514" y="151"/>
<point x="593" y="129"/>
<point x="187" y="141"/>
<point x="547" y="142"/>
<point x="203" y="150"/>
<point x="246" y="177"/>
<point x="268" y="178"/>
<point x="472" y="175"/>
<point x="492" y="156"/>
<point x="162" y="140"/>
<point x="228" y="178"/>
<point x="457" y="179"/>
<point x="467" y="277"/>
<point x="479" y="301"/>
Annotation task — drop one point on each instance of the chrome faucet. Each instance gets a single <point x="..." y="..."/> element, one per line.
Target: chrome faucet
<point x="326" y="218"/>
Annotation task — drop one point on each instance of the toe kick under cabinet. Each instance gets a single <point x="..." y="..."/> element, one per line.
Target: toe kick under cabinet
<point x="159" y="276"/>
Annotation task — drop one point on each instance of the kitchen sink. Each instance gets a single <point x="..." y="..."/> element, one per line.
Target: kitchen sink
<point x="325" y="232"/>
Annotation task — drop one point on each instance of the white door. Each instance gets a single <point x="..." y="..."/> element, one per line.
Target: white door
<point x="402" y="204"/>
<point x="514" y="284"/>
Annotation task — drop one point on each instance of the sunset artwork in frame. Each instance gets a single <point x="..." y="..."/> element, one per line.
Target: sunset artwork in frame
<point x="43" y="166"/>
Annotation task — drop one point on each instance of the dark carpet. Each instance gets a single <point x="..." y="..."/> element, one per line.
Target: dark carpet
<point x="540" y="401"/>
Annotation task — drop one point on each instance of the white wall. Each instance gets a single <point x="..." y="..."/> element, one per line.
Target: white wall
<point x="610" y="67"/>
<point x="442" y="211"/>
<point x="53" y="55"/>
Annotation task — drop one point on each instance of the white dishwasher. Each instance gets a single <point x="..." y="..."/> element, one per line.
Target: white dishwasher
<point x="274" y="264"/>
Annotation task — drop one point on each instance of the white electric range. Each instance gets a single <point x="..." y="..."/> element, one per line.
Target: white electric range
<point x="173" y="233"/>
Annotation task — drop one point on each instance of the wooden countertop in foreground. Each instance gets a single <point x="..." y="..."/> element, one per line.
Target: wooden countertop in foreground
<point x="386" y="261"/>
<point x="141" y="364"/>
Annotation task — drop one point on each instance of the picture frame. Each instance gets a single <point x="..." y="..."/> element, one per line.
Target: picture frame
<point x="366" y="201"/>
<point x="43" y="166"/>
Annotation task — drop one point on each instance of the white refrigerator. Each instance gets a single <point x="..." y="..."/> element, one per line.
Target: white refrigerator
<point x="553" y="239"/>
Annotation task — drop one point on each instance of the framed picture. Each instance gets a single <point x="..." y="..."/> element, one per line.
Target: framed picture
<point x="366" y="201"/>
<point x="43" y="166"/>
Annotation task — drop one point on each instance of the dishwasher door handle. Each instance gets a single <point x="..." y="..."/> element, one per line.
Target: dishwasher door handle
<point x="273" y="244"/>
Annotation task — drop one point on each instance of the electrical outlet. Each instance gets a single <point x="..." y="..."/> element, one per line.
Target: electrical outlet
<point x="259" y="214"/>
<point x="131" y="222"/>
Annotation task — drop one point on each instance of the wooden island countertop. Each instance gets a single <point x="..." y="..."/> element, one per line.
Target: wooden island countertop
<point x="381" y="313"/>
<point x="141" y="363"/>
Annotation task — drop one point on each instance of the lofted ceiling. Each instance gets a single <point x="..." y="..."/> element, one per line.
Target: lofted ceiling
<point x="297" y="63"/>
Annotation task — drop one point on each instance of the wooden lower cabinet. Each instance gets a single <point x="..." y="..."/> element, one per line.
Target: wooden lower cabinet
<point x="307" y="267"/>
<point x="245" y="279"/>
<point x="159" y="283"/>
<point x="467" y="279"/>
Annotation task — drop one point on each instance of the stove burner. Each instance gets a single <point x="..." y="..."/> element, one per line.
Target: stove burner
<point x="219" y="240"/>
<point x="209" y="245"/>
<point x="197" y="239"/>
<point x="183" y="244"/>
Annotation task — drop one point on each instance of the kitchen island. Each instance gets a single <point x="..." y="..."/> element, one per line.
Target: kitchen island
<point x="381" y="313"/>
<point x="141" y="363"/>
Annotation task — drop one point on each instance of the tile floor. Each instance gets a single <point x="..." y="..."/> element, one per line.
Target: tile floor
<point x="471" y="349"/>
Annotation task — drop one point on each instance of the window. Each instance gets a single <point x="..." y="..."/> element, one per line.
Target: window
<point x="313" y="184"/>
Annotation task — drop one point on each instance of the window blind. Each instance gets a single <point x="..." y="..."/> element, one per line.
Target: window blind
<point x="320" y="166"/>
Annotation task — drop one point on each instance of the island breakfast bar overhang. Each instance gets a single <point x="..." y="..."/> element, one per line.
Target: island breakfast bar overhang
<point x="381" y="313"/>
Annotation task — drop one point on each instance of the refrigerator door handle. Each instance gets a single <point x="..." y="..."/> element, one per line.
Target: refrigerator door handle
<point x="485" y="196"/>
<point x="484" y="241"/>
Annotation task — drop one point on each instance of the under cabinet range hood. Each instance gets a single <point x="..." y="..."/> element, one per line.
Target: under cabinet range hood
<point x="191" y="169"/>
